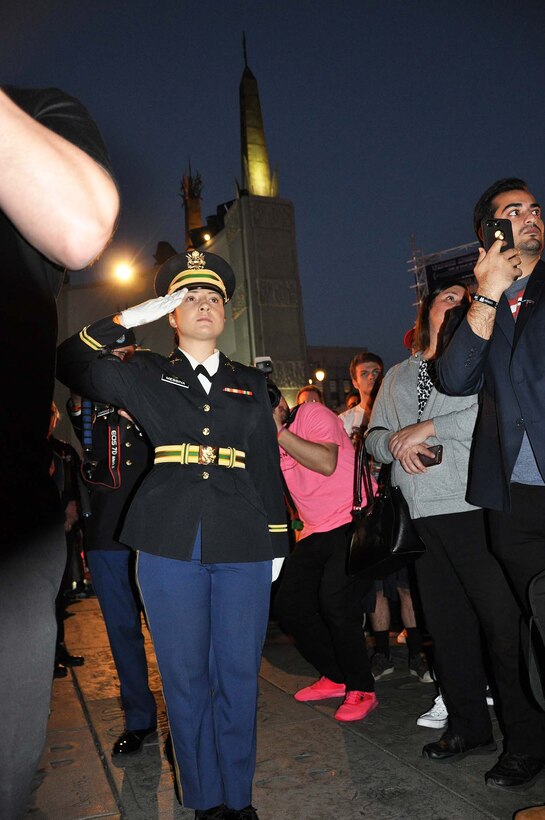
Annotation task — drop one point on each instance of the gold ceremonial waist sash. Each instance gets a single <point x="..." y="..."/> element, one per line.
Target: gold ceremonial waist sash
<point x="199" y="454"/>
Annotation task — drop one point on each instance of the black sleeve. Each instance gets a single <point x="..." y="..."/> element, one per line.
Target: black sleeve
<point x="263" y="464"/>
<point x="65" y="116"/>
<point x="84" y="366"/>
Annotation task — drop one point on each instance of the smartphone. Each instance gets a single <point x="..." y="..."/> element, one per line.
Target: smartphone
<point x="494" y="229"/>
<point x="436" y="458"/>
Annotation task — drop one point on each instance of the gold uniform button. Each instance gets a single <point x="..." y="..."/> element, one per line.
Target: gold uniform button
<point x="206" y="475"/>
<point x="128" y="462"/>
<point x="206" y="431"/>
<point x="128" y="444"/>
<point x="206" y="408"/>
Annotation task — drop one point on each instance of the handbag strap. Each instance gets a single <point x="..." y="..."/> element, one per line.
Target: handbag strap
<point x="362" y="472"/>
<point x="362" y="475"/>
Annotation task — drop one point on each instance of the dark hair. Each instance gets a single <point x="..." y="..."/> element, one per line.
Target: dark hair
<point x="352" y="394"/>
<point x="309" y="388"/>
<point x="485" y="207"/>
<point x="421" y="338"/>
<point x="363" y="358"/>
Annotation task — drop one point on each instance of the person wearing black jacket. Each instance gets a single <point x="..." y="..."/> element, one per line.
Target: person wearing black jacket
<point x="116" y="455"/>
<point x="497" y="352"/>
<point x="207" y="520"/>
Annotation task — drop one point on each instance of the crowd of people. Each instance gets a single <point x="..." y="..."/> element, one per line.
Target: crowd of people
<point x="190" y="473"/>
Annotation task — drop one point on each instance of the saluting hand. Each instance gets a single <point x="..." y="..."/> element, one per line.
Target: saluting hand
<point x="151" y="310"/>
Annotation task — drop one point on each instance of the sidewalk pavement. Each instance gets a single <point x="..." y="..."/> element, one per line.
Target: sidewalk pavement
<point x="309" y="767"/>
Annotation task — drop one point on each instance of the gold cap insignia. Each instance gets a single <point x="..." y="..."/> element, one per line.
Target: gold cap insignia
<point x="195" y="260"/>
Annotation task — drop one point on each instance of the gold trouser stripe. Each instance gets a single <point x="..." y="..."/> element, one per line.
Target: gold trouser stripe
<point x="88" y="340"/>
<point x="192" y="454"/>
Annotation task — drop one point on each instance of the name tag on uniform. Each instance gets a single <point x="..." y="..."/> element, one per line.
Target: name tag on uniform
<point x="174" y="380"/>
<point x="105" y="411"/>
<point x="237" y="391"/>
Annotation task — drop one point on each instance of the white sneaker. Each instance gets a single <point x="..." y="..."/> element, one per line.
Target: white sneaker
<point x="436" y="717"/>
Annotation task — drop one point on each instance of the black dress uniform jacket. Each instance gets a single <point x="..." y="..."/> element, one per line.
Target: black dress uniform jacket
<point x="509" y="372"/>
<point x="120" y="456"/>
<point x="241" y="510"/>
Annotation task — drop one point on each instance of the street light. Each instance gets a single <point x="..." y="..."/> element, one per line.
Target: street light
<point x="123" y="271"/>
<point x="319" y="375"/>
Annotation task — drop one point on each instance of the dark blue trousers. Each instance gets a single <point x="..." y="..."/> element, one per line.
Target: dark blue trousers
<point x="208" y="623"/>
<point x="113" y="581"/>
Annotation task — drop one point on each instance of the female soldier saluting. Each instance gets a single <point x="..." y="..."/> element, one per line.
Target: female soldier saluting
<point x="206" y="522"/>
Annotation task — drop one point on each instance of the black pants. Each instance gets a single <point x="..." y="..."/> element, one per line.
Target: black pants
<point x="518" y="538"/>
<point x="321" y="607"/>
<point x="463" y="590"/>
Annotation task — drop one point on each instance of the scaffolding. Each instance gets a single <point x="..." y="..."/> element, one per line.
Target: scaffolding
<point x="452" y="264"/>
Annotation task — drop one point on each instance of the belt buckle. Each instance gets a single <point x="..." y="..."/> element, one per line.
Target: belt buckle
<point x="208" y="454"/>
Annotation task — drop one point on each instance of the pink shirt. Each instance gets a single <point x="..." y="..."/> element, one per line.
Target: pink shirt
<point x="323" y="502"/>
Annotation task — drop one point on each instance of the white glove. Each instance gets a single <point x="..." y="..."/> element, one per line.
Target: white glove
<point x="276" y="567"/>
<point x="152" y="310"/>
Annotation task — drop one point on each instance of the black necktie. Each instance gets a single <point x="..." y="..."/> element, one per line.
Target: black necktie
<point x="200" y="370"/>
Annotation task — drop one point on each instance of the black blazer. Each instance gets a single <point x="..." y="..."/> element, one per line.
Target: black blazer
<point x="509" y="372"/>
<point x="241" y="510"/>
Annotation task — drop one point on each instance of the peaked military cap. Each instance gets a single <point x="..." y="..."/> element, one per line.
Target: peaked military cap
<point x="195" y="269"/>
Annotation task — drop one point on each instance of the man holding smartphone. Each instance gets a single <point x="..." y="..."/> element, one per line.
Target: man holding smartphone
<point x="498" y="351"/>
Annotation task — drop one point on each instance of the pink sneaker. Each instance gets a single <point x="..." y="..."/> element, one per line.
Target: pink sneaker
<point x="320" y="690"/>
<point x="356" y="706"/>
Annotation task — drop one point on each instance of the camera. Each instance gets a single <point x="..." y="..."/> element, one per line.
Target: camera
<point x="264" y="363"/>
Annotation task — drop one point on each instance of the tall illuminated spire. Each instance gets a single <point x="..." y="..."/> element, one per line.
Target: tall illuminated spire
<point x="190" y="192"/>
<point x="256" y="173"/>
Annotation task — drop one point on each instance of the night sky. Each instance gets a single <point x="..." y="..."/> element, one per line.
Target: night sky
<point x="386" y="119"/>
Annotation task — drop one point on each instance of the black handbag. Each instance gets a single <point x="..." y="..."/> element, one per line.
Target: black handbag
<point x="382" y="537"/>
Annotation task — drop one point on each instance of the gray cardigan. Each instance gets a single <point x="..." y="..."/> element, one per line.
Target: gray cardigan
<point x="442" y="488"/>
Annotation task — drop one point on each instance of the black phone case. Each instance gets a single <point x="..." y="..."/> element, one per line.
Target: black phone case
<point x="494" y="229"/>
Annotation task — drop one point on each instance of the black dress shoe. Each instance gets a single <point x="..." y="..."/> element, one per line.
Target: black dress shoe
<point x="131" y="742"/>
<point x="451" y="748"/>
<point x="64" y="657"/>
<point x="215" y="813"/>
<point x="60" y="671"/>
<point x="249" y="813"/>
<point x="514" y="770"/>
